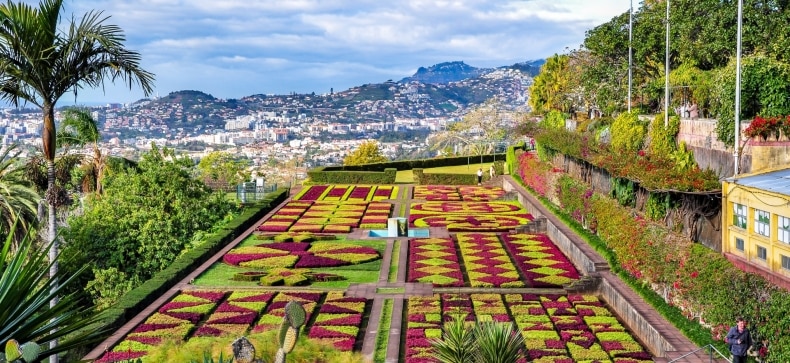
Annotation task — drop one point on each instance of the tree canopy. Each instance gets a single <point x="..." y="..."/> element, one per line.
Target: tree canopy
<point x="368" y="152"/>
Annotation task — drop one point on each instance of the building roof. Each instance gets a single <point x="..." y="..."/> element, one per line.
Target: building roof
<point x="777" y="181"/>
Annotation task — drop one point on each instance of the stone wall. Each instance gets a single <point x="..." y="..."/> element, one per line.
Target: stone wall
<point x="647" y="333"/>
<point x="589" y="263"/>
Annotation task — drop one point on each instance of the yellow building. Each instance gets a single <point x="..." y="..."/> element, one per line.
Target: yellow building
<point x="756" y="223"/>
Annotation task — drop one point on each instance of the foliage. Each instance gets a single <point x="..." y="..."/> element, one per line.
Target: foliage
<point x="18" y="201"/>
<point x="553" y="120"/>
<point x="694" y="287"/>
<point x="483" y="342"/>
<point x="549" y="87"/>
<point x="307" y="350"/>
<point x="766" y="127"/>
<point x="663" y="137"/>
<point x="368" y="152"/>
<point x="765" y="90"/>
<point x="26" y="290"/>
<point x="657" y="205"/>
<point x="628" y="133"/>
<point x="222" y="168"/>
<point x="478" y="131"/>
<point x="148" y="214"/>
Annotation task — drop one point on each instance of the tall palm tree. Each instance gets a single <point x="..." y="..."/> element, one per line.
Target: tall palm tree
<point x="18" y="201"/>
<point x="78" y="128"/>
<point x="39" y="63"/>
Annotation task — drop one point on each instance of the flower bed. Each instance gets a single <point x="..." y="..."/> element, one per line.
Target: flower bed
<point x="435" y="261"/>
<point x="486" y="262"/>
<point x="235" y="315"/>
<point x="539" y="259"/>
<point x="328" y="216"/>
<point x="357" y="193"/>
<point x="300" y="255"/>
<point x="338" y="321"/>
<point x="480" y="193"/>
<point x="273" y="316"/>
<point x="556" y="328"/>
<point x="173" y="320"/>
<point x="436" y="192"/>
<point x="469" y="216"/>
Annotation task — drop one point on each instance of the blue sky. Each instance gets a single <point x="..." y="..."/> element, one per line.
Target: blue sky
<point x="236" y="48"/>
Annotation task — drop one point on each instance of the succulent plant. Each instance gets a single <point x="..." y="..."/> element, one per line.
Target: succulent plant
<point x="14" y="352"/>
<point x="294" y="318"/>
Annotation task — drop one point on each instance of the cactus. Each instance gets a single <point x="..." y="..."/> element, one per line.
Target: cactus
<point x="294" y="318"/>
<point x="295" y="314"/>
<point x="30" y="351"/>
<point x="14" y="352"/>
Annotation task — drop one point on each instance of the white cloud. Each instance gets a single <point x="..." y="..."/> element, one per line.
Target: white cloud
<point x="233" y="48"/>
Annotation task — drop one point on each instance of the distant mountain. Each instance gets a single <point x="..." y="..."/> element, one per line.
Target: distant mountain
<point x="529" y="67"/>
<point x="444" y="73"/>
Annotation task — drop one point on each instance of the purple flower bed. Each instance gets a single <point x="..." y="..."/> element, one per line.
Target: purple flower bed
<point x="142" y="328"/>
<point x="313" y="261"/>
<point x="550" y="251"/>
<point x="236" y="259"/>
<point x="243" y="319"/>
<point x="193" y="318"/>
<point x="314" y="192"/>
<point x="119" y="356"/>
<point x="425" y="267"/>
<point x="172" y="305"/>
<point x="287" y="246"/>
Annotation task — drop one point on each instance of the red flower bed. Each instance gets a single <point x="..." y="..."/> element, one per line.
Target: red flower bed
<point x="313" y="193"/>
<point x="434" y="260"/>
<point x="539" y="259"/>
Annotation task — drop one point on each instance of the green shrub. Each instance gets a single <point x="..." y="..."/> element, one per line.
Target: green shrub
<point x="628" y="133"/>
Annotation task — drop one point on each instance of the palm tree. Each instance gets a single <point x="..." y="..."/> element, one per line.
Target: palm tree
<point x="40" y="63"/>
<point x="78" y="128"/>
<point x="25" y="290"/>
<point x="18" y="202"/>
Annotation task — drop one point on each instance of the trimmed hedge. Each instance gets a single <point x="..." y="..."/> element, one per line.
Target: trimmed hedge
<point x="419" y="163"/>
<point x="322" y="175"/>
<point x="421" y="178"/>
<point x="140" y="297"/>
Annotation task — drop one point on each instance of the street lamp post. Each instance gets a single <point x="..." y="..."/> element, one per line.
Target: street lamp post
<point x="666" y="75"/>
<point x="736" y="154"/>
<point x="630" y="50"/>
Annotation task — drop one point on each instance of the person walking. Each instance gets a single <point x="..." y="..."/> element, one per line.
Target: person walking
<point x="740" y="340"/>
<point x="480" y="176"/>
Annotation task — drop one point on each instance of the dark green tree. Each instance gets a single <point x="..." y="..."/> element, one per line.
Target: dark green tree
<point x="147" y="216"/>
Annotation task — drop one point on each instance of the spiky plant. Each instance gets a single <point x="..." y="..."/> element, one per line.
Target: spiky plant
<point x="458" y="342"/>
<point x="294" y="318"/>
<point x="25" y="293"/>
<point x="498" y="343"/>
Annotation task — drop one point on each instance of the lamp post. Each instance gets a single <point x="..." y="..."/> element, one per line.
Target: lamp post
<point x="630" y="50"/>
<point x="666" y="75"/>
<point x="736" y="154"/>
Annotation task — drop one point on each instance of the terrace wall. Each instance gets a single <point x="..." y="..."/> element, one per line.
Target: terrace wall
<point x="610" y="288"/>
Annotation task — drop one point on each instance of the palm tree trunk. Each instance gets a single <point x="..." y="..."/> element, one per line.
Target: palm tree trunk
<point x="48" y="143"/>
<point x="53" y="249"/>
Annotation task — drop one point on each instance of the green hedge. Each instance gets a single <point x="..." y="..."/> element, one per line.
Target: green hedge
<point x="140" y="297"/>
<point x="419" y="163"/>
<point x="421" y="178"/>
<point x="322" y="175"/>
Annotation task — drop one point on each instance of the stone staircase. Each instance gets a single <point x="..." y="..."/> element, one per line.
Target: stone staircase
<point x="586" y="284"/>
<point x="537" y="225"/>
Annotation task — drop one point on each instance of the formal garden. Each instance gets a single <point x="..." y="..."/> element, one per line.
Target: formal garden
<point x="314" y="248"/>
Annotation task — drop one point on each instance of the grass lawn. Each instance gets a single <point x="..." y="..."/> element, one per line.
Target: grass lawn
<point x="220" y="274"/>
<point x="407" y="176"/>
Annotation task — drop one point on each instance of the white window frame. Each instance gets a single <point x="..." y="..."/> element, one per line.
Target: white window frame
<point x="762" y="227"/>
<point x="783" y="229"/>
<point x="739" y="215"/>
<point x="764" y="253"/>
<point x="785" y="263"/>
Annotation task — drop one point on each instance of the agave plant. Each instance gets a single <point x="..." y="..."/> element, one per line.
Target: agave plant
<point x="457" y="344"/>
<point x="498" y="343"/>
<point x="487" y="342"/>
<point x="25" y="294"/>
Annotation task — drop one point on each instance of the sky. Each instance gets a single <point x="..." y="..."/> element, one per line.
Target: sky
<point x="237" y="48"/>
